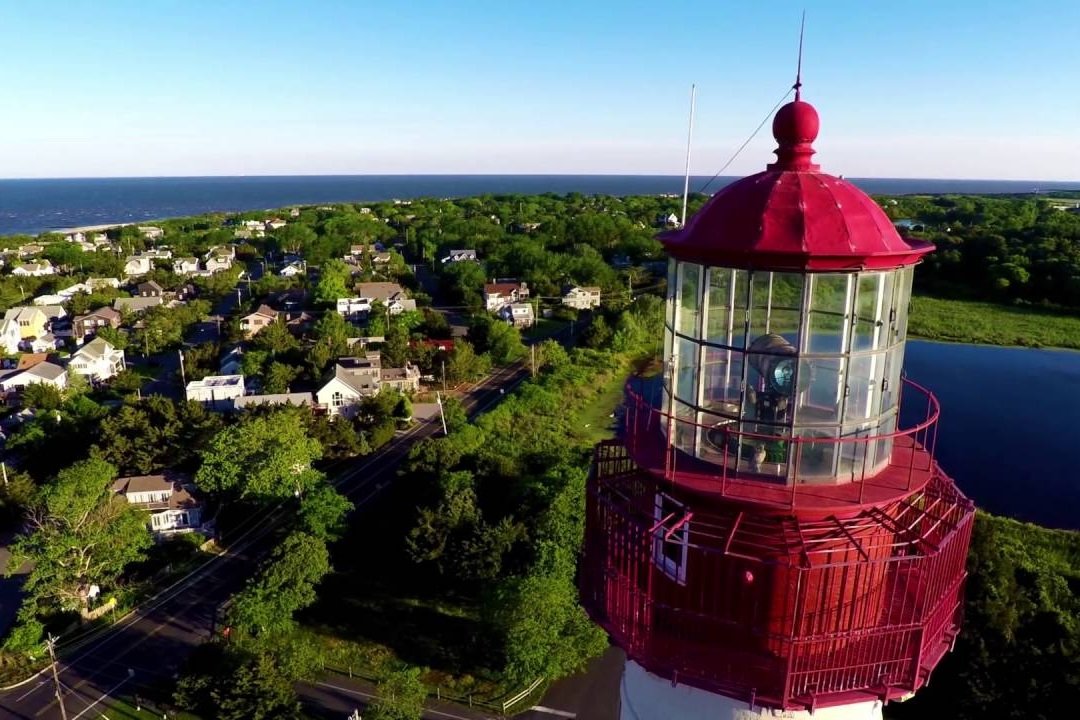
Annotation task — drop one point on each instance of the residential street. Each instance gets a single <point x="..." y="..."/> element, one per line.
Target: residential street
<point x="152" y="642"/>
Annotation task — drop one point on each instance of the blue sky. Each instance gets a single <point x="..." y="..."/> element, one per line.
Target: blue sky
<point x="221" y="87"/>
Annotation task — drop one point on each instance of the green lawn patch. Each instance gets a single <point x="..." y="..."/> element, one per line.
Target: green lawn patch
<point x="991" y="324"/>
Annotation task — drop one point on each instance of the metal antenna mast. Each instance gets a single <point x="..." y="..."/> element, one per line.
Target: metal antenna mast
<point x="689" y="139"/>
<point x="798" y="66"/>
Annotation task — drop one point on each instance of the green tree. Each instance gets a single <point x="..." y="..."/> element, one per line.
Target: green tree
<point x="464" y="365"/>
<point x="399" y="696"/>
<point x="323" y="511"/>
<point x="275" y="338"/>
<point x="41" y="396"/>
<point x="504" y="344"/>
<point x="285" y="584"/>
<point x="262" y="456"/>
<point x="146" y="435"/>
<point x="334" y="276"/>
<point x="79" y="533"/>
<point x="279" y="377"/>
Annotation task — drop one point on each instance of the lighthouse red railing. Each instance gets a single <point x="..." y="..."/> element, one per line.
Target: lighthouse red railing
<point x="783" y="612"/>
<point x="866" y="469"/>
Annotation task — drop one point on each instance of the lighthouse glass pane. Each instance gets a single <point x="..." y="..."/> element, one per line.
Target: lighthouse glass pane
<point x="689" y="299"/>
<point x="828" y="313"/>
<point x="903" y="301"/>
<point x="853" y="461"/>
<point x="820" y="392"/>
<point x="719" y="330"/>
<point x="890" y="394"/>
<point x="869" y="332"/>
<point x="672" y="292"/>
<point x="786" y="306"/>
<point x="685" y="427"/>
<point x="686" y="358"/>
<point x="864" y="376"/>
<point x="759" y="305"/>
<point x="722" y="377"/>
<point x="817" y="456"/>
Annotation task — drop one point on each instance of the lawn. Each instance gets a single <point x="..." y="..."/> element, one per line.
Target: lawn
<point x="987" y="323"/>
<point x="597" y="421"/>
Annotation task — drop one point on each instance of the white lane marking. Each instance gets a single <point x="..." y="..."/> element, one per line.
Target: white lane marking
<point x="103" y="696"/>
<point x="552" y="711"/>
<point x="31" y="691"/>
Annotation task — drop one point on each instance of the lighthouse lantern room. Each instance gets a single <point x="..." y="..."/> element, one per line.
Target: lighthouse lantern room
<point x="771" y="531"/>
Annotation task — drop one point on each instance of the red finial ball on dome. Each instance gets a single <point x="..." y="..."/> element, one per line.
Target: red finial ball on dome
<point x="795" y="127"/>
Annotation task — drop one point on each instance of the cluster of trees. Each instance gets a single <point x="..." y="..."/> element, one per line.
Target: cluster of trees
<point x="501" y="505"/>
<point x="996" y="248"/>
<point x="262" y="459"/>
<point x="1018" y="655"/>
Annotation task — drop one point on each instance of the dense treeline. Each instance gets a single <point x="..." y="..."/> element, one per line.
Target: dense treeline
<point x="1018" y="655"/>
<point x="1002" y="249"/>
<point x="483" y="548"/>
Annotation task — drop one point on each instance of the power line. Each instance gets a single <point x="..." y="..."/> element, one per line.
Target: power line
<point x="747" y="141"/>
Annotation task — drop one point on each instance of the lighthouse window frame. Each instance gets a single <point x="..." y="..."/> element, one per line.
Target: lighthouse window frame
<point x="670" y="554"/>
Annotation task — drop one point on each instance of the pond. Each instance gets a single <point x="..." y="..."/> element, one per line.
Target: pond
<point x="1009" y="432"/>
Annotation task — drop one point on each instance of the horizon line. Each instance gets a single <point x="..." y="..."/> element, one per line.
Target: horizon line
<point x="513" y="174"/>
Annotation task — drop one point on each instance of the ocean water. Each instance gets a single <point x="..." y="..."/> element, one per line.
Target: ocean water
<point x="34" y="206"/>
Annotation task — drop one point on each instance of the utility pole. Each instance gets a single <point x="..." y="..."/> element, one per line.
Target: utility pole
<point x="183" y="377"/>
<point x="442" y="415"/>
<point x="532" y="351"/>
<point x="51" y="645"/>
<point x="3" y="466"/>
<point x="629" y="287"/>
<point x="444" y="375"/>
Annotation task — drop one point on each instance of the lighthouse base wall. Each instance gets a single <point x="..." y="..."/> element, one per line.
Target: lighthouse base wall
<point x="644" y="696"/>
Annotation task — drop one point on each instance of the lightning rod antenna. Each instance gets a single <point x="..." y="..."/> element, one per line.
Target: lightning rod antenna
<point x="798" y="66"/>
<point x="689" y="140"/>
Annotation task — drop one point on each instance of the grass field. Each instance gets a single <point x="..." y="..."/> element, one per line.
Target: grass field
<point x="967" y="321"/>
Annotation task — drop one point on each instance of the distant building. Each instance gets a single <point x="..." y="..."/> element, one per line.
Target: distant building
<point x="520" y="315"/>
<point x="168" y="499"/>
<point x="34" y="269"/>
<point x="90" y="323"/>
<point x="9" y="336"/>
<point x="500" y="294"/>
<point x="135" y="305"/>
<point x="253" y="323"/>
<point x="45" y="373"/>
<point x="216" y="392"/>
<point x="356" y="378"/>
<point x="97" y="360"/>
<point x="292" y="269"/>
<point x="391" y="295"/>
<point x="454" y="256"/>
<point x="32" y="321"/>
<point x="582" y="298"/>
<point x="150" y="232"/>
<point x="186" y="265"/>
<point x="137" y="265"/>
<point x="149" y="289"/>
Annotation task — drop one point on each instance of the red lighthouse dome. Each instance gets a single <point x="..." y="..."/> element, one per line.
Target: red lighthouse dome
<point x="792" y="216"/>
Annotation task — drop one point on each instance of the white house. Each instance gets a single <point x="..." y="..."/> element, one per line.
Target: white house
<point x="292" y="269"/>
<point x="520" y="315"/>
<point x="353" y="307"/>
<point x="216" y="392"/>
<point x="46" y="373"/>
<point x="102" y="283"/>
<point x="34" y="269"/>
<point x="353" y="380"/>
<point x="582" y="298"/>
<point x="50" y="299"/>
<point x="185" y="265"/>
<point x="217" y="263"/>
<point x="499" y="294"/>
<point x="275" y="224"/>
<point x="72" y="290"/>
<point x="43" y="343"/>
<point x="171" y="506"/>
<point x="97" y="360"/>
<point x="389" y="294"/>
<point x="10" y="335"/>
<point x="138" y="265"/>
<point x="454" y="256"/>
<point x="150" y="232"/>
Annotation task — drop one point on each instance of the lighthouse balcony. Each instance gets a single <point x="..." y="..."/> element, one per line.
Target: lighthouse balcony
<point x="802" y="469"/>
<point x="767" y="607"/>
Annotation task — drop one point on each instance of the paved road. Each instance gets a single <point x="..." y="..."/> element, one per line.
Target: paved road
<point x="150" y="644"/>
